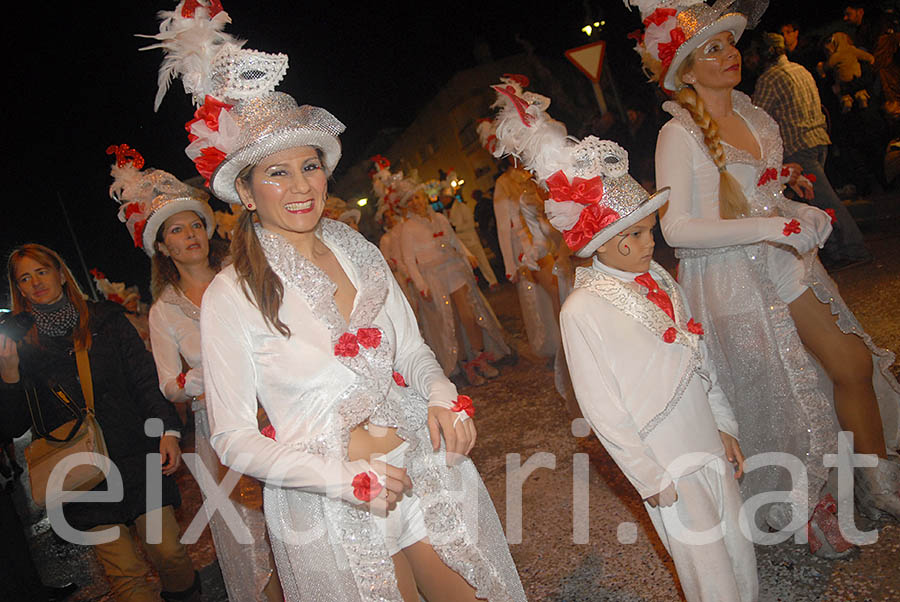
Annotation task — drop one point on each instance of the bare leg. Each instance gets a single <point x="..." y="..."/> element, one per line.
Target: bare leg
<point x="406" y="581"/>
<point x="848" y="363"/>
<point x="467" y="317"/>
<point x="436" y="581"/>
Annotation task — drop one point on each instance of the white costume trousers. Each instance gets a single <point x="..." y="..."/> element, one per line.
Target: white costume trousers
<point x="714" y="566"/>
<point x="473" y="243"/>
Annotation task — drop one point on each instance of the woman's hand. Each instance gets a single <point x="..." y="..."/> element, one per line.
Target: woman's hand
<point x="170" y="452"/>
<point x="459" y="434"/>
<point x="394" y="482"/>
<point x="9" y="360"/>
<point x="733" y="453"/>
<point x="664" y="498"/>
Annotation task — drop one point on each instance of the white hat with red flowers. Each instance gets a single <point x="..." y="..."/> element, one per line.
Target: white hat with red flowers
<point x="148" y="198"/>
<point x="592" y="197"/>
<point x="241" y="119"/>
<point x="673" y="29"/>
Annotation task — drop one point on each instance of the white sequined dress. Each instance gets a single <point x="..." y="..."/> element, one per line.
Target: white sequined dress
<point x="317" y="385"/>
<point x="175" y="334"/>
<point x="781" y="396"/>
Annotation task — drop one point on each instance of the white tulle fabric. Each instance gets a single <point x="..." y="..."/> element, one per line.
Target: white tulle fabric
<point x="175" y="336"/>
<point x="436" y="260"/>
<point x="326" y="546"/>
<point x="781" y="397"/>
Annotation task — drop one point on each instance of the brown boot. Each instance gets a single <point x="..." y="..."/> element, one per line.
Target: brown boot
<point x="877" y="489"/>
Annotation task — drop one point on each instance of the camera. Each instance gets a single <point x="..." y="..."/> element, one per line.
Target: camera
<point x="15" y="326"/>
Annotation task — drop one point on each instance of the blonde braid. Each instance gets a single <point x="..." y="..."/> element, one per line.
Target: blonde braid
<point x="732" y="202"/>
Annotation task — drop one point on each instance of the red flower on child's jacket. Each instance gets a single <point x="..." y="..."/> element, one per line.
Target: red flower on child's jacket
<point x="695" y="327"/>
<point x="398" y="378"/>
<point x="791" y="227"/>
<point x="366" y="486"/>
<point x="669" y="334"/>
<point x="269" y="431"/>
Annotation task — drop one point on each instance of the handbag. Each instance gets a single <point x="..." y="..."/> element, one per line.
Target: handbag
<point x="81" y="434"/>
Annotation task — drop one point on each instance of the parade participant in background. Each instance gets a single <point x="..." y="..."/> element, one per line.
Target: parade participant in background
<point x="462" y="217"/>
<point x="129" y="298"/>
<point x="173" y="224"/>
<point x="390" y="188"/>
<point x="336" y="208"/>
<point x="369" y="495"/>
<point x="458" y="322"/>
<point x="750" y="273"/>
<point x="125" y="395"/>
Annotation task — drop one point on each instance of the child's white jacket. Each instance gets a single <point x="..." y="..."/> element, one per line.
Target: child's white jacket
<point x="650" y="401"/>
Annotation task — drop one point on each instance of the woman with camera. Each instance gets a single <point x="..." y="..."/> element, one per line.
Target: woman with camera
<point x="40" y="379"/>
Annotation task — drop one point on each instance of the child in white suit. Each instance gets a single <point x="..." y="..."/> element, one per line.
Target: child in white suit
<point x="636" y="357"/>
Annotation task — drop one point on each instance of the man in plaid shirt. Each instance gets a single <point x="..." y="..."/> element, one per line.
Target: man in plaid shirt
<point x="787" y="92"/>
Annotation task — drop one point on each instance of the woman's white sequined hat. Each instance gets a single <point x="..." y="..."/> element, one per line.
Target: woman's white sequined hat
<point x="148" y="198"/>
<point x="241" y="119"/>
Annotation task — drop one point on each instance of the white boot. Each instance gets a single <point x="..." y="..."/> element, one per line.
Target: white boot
<point x="878" y="489"/>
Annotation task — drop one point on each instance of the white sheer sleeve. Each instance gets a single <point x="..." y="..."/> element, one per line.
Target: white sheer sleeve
<point x="408" y="253"/>
<point x="166" y="355"/>
<point x="678" y="167"/>
<point x="231" y="385"/>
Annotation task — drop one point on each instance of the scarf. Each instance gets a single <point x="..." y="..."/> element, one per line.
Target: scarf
<point x="55" y="319"/>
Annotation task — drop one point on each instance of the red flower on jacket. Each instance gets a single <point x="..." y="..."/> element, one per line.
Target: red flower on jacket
<point x="464" y="404"/>
<point x="348" y="343"/>
<point x="695" y="327"/>
<point x="767" y="176"/>
<point x="366" y="486"/>
<point x="269" y="431"/>
<point x="832" y="215"/>
<point x="791" y="227"/>
<point x="669" y="334"/>
<point x="398" y="378"/>
<point x="180" y="380"/>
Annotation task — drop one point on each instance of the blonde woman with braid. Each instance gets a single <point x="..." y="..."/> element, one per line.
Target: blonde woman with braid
<point x="790" y="355"/>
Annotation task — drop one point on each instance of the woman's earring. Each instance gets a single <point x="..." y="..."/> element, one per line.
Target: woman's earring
<point x="250" y="206"/>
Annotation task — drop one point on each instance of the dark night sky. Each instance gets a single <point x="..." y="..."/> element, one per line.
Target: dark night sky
<point x="77" y="83"/>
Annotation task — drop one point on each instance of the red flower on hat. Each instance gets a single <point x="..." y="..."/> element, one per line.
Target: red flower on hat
<point x="125" y="155"/>
<point x="366" y="486"/>
<point x="210" y="158"/>
<point x="669" y="335"/>
<point x="767" y="176"/>
<point x="398" y="378"/>
<point x="659" y="16"/>
<point x="832" y="215"/>
<point x="791" y="227"/>
<point x="520" y="79"/>
<point x="464" y="404"/>
<point x="695" y="327"/>
<point x="187" y="11"/>
<point x="520" y="103"/>
<point x="586" y="192"/>
<point x="131" y="209"/>
<point x="667" y="50"/>
<point x="115" y="298"/>
<point x="592" y="219"/>
<point x="139" y="233"/>
<point x="207" y="113"/>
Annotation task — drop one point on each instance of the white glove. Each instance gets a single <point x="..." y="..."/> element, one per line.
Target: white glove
<point x="193" y="382"/>
<point x="793" y="232"/>
<point x="820" y="221"/>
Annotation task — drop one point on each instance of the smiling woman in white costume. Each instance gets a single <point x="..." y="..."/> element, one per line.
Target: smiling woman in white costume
<point x="369" y="494"/>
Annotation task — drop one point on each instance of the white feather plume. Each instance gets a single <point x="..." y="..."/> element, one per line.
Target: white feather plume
<point x="126" y="180"/>
<point x="190" y="46"/>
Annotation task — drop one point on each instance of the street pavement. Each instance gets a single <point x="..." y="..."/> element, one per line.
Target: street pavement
<point x="619" y="557"/>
